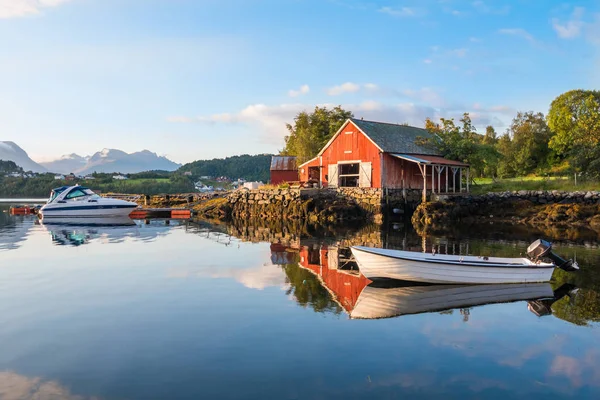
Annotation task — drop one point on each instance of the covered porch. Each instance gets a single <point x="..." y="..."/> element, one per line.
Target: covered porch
<point x="441" y="175"/>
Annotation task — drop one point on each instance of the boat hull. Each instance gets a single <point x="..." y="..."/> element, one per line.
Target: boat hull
<point x="376" y="263"/>
<point x="376" y="302"/>
<point x="98" y="211"/>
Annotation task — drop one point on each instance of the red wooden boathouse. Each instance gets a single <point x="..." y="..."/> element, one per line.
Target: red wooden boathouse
<point x="381" y="155"/>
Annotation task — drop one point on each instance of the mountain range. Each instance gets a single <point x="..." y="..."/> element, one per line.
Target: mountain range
<point x="107" y="160"/>
<point x="10" y="151"/>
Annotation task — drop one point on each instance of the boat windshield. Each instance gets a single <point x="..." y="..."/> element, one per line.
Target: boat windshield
<point x="78" y="192"/>
<point x="54" y="193"/>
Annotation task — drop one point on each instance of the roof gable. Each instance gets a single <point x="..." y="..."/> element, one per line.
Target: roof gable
<point x="394" y="138"/>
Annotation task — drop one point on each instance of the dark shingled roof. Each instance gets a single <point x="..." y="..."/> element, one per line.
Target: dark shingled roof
<point x="393" y="138"/>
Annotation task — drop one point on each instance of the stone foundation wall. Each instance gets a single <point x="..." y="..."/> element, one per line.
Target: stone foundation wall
<point x="535" y="196"/>
<point x="339" y="203"/>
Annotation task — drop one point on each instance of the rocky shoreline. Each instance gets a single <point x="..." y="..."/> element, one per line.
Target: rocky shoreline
<point x="534" y="208"/>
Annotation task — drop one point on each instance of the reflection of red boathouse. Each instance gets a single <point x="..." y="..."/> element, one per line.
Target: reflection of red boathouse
<point x="345" y="285"/>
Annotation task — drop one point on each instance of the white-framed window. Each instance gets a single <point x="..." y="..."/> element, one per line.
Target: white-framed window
<point x="349" y="174"/>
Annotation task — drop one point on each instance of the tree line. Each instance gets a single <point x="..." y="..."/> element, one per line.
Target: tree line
<point x="565" y="141"/>
<point x="251" y="168"/>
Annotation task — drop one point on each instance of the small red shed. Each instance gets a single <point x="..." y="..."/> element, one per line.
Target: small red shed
<point x="381" y="155"/>
<point x="283" y="169"/>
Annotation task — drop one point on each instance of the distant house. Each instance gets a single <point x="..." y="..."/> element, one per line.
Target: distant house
<point x="205" y="177"/>
<point x="253" y="185"/>
<point x="187" y="173"/>
<point x="15" y="175"/>
<point x="201" y="187"/>
<point x="89" y="178"/>
<point x="70" y="177"/>
<point x="120" y="177"/>
<point x="59" y="177"/>
<point x="283" y="169"/>
<point x="381" y="155"/>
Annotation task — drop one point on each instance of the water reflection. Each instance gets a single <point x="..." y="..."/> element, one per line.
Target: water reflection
<point x="325" y="277"/>
<point x="275" y="309"/>
<point x="18" y="387"/>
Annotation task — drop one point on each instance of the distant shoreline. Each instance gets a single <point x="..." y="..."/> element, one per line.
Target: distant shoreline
<point x="22" y="200"/>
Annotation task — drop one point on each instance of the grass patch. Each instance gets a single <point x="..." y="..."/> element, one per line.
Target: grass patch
<point x="485" y="185"/>
<point x="147" y="180"/>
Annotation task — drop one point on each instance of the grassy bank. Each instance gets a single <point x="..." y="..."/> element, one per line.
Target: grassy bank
<point x="485" y="185"/>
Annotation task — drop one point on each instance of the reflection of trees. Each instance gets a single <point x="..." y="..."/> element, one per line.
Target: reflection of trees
<point x="308" y="291"/>
<point x="583" y="306"/>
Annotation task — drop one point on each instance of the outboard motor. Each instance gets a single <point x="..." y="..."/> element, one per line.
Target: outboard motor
<point x="541" y="250"/>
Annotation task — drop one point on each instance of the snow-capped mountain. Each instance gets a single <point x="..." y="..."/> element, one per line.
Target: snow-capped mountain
<point x="10" y="151"/>
<point x="107" y="160"/>
<point x="112" y="160"/>
<point x="66" y="164"/>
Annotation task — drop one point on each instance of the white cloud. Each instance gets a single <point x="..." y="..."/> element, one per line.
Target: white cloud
<point x="259" y="278"/>
<point x="271" y="120"/>
<point x="348" y="87"/>
<point x="21" y="8"/>
<point x="484" y="8"/>
<point x="572" y="28"/>
<point x="459" y="52"/>
<point x="427" y="61"/>
<point x="475" y="40"/>
<point x="425" y="95"/>
<point x="304" y="89"/>
<point x="520" y="32"/>
<point x="399" y="12"/>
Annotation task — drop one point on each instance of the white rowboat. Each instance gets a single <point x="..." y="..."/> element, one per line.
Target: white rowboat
<point x="412" y="266"/>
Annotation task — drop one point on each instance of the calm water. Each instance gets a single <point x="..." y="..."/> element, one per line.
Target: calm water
<point x="190" y="311"/>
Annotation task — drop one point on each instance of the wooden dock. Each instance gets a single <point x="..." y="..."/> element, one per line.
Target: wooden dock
<point x="172" y="213"/>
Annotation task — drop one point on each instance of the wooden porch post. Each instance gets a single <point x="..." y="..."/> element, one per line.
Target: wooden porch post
<point x="440" y="170"/>
<point x="447" y="172"/>
<point x="432" y="179"/>
<point x="468" y="170"/>
<point x="460" y="179"/>
<point x="424" y="173"/>
<point x="454" y="169"/>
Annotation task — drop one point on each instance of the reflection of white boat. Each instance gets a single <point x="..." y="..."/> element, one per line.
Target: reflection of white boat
<point x="81" y="202"/>
<point x="441" y="268"/>
<point x="378" y="302"/>
<point x="89" y="222"/>
<point x="78" y="231"/>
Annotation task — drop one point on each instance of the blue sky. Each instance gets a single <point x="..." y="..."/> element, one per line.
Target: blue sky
<point x="194" y="79"/>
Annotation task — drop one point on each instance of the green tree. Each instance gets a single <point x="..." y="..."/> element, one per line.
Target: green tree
<point x="574" y="117"/>
<point x="490" y="137"/>
<point x="530" y="137"/>
<point x="505" y="164"/>
<point x="463" y="143"/>
<point x="311" y="131"/>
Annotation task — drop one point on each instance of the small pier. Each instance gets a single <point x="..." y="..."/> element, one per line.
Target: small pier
<point x="172" y="213"/>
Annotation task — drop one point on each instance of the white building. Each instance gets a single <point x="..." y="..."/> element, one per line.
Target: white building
<point x="59" y="177"/>
<point x="253" y="185"/>
<point x="120" y="177"/>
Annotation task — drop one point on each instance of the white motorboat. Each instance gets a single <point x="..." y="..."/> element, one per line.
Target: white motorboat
<point x="80" y="202"/>
<point x="538" y="266"/>
<point x="386" y="302"/>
